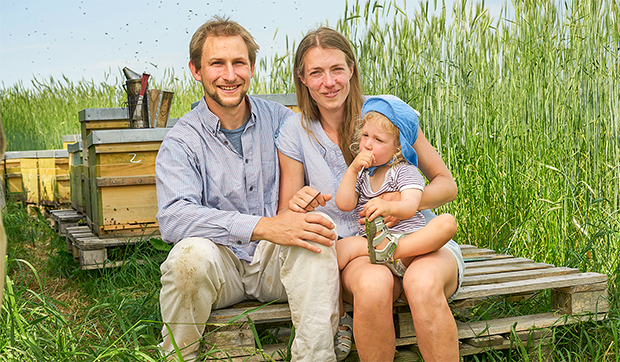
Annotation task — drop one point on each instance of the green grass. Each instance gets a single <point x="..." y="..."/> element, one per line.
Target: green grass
<point x="53" y="311"/>
<point x="524" y="110"/>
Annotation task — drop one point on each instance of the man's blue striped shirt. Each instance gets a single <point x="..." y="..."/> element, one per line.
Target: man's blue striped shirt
<point x="205" y="188"/>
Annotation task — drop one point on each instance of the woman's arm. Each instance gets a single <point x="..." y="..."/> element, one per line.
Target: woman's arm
<point x="293" y="194"/>
<point x="291" y="180"/>
<point x="442" y="187"/>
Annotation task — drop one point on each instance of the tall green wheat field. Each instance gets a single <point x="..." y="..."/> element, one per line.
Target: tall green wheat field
<point x="524" y="109"/>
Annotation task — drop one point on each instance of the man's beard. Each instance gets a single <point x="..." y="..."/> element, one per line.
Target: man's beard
<point x="230" y="103"/>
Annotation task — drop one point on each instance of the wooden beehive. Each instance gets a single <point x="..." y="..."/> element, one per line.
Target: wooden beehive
<point x="287" y="99"/>
<point x="121" y="173"/>
<point x="54" y="184"/>
<point x="13" y="176"/>
<point x="29" y="166"/>
<point x="76" y="170"/>
<point x="70" y="139"/>
<point x="99" y="119"/>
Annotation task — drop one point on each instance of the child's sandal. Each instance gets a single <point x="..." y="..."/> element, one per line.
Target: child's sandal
<point x="376" y="232"/>
<point x="344" y="338"/>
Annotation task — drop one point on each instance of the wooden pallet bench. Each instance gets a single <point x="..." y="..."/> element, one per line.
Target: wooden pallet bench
<point x="572" y="296"/>
<point x="64" y="218"/>
<point x="93" y="252"/>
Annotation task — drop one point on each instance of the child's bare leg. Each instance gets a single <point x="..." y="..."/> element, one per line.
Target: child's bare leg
<point x="430" y="238"/>
<point x="350" y="248"/>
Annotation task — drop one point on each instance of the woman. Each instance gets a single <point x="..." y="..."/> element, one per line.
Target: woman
<point x="314" y="154"/>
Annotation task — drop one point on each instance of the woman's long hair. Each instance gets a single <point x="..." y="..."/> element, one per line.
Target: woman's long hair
<point x="328" y="38"/>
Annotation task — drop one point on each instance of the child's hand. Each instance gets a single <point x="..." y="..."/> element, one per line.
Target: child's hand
<point x="363" y="160"/>
<point x="376" y="207"/>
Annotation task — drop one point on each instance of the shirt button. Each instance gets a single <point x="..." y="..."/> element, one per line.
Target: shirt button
<point x="225" y="142"/>
<point x="251" y="188"/>
<point x="239" y="242"/>
<point x="246" y="160"/>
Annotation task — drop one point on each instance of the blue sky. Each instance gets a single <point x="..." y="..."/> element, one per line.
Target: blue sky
<point x="85" y="39"/>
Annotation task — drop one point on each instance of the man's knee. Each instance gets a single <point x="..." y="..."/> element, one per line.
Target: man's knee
<point x="189" y="262"/>
<point x="301" y="257"/>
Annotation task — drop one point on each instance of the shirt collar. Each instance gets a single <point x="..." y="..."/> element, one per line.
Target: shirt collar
<point x="212" y="122"/>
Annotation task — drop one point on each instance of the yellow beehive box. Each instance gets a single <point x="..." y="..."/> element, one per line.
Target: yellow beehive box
<point x="46" y="168"/>
<point x="13" y="173"/>
<point x="53" y="169"/>
<point x="123" y="199"/>
<point x="99" y="119"/>
<point x="29" y="165"/>
<point x="75" y="176"/>
<point x="70" y="139"/>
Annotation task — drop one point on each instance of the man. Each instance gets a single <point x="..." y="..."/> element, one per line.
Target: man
<point x="217" y="190"/>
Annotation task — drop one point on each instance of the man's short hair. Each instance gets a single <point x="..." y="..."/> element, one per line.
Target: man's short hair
<point x="219" y="26"/>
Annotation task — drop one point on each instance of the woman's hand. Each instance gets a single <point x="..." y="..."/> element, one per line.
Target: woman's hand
<point x="307" y="199"/>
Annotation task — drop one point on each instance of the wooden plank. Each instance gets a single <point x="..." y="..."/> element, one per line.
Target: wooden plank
<point x="102" y="125"/>
<point x="229" y="340"/>
<point x="520" y="323"/>
<point x="485" y="341"/>
<point x="93" y="242"/>
<point x="127" y="231"/>
<point x="471" y="252"/>
<point x="270" y="352"/>
<point x="104" y="265"/>
<point x="142" y="168"/>
<point x="474" y="265"/>
<point x="469" y="280"/>
<point x="507" y="267"/>
<point x="127" y="147"/>
<point x="466" y="349"/>
<point x="275" y="312"/>
<point x="125" y="181"/>
<point x="521" y="286"/>
<point x="410" y="354"/>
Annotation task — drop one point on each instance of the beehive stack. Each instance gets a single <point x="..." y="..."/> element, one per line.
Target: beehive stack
<point x="121" y="170"/>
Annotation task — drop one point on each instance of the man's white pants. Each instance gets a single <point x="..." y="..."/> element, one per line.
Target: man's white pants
<point x="199" y="276"/>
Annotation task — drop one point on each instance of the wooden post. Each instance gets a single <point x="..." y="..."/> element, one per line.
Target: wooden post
<point x="2" y="234"/>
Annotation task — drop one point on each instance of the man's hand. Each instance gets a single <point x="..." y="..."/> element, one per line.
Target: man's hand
<point x="296" y="229"/>
<point x="307" y="199"/>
